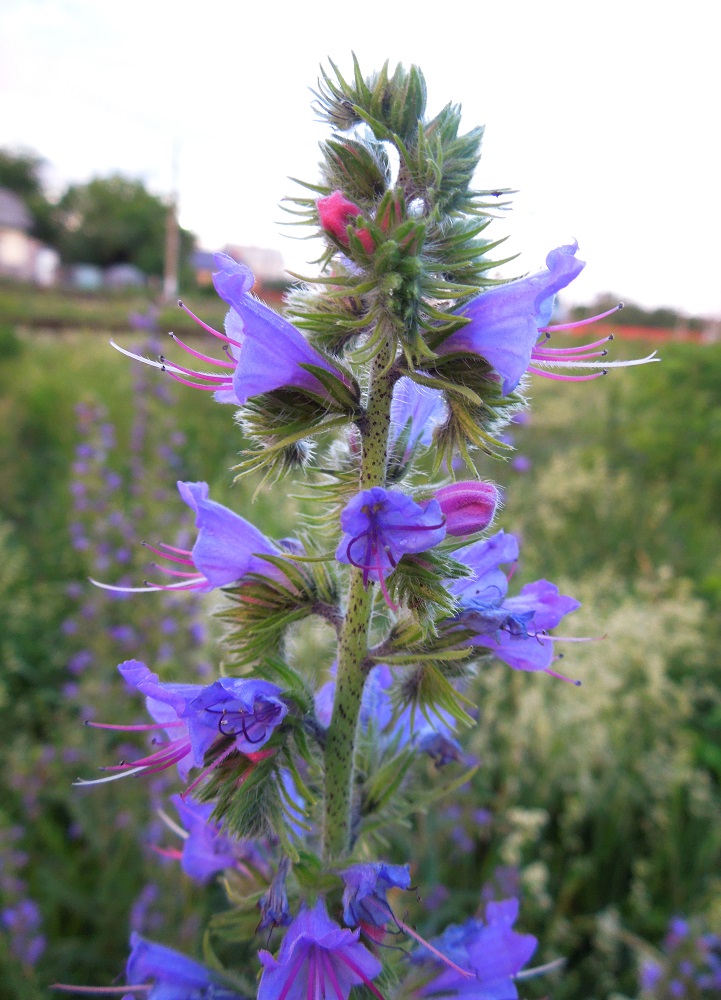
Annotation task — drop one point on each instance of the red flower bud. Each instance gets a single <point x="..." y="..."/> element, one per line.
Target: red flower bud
<point x="336" y="213"/>
<point x="468" y="507"/>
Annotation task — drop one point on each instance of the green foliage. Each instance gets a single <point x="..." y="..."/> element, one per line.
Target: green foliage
<point x="115" y="221"/>
<point x="20" y="172"/>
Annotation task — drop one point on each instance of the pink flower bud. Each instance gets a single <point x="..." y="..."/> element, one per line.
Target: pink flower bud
<point x="336" y="213"/>
<point x="468" y="507"/>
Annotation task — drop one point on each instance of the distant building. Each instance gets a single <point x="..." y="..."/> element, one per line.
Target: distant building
<point x="22" y="257"/>
<point x="124" y="276"/>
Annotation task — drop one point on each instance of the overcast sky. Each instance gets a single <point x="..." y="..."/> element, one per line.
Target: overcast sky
<point x="605" y="116"/>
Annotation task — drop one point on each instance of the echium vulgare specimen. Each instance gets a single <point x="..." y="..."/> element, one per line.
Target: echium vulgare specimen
<point x="401" y="356"/>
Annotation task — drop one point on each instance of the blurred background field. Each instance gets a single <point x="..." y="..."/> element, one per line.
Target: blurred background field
<point x="599" y="806"/>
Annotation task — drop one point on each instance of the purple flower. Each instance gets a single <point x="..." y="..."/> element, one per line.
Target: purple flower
<point x="227" y="549"/>
<point x="492" y="951"/>
<point x="514" y="628"/>
<point x="509" y="327"/>
<point x="167" y="704"/>
<point x="248" y="710"/>
<point x="317" y="960"/>
<point x="381" y="526"/>
<point x="195" y="717"/>
<point x="263" y="351"/>
<point x="207" y="850"/>
<point x="364" y="896"/>
<point x="418" y="408"/>
<point x="22" y="922"/>
<point x="174" y="976"/>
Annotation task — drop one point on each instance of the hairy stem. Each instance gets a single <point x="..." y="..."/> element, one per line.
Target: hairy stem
<point x="353" y="638"/>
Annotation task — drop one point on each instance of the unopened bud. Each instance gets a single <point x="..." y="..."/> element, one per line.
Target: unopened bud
<point x="336" y="213"/>
<point x="468" y="507"/>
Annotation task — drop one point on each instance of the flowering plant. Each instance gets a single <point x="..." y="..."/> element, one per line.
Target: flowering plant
<point x="403" y="355"/>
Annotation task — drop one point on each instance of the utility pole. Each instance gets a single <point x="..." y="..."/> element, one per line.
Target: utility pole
<point x="172" y="253"/>
<point x="172" y="237"/>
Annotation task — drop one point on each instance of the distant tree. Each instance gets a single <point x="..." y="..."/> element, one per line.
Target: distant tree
<point x="115" y="220"/>
<point x="21" y="173"/>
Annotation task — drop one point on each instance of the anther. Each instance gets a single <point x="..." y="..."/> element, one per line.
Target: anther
<point x="180" y="303"/>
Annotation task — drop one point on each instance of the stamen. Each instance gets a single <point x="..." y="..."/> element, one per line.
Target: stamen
<point x="167" y="852"/>
<point x="426" y="944"/>
<point x="165" y="555"/>
<point x="174" y="572"/>
<point x="202" y="357"/>
<point x="134" y="729"/>
<point x="150" y="587"/>
<point x="208" y="376"/>
<point x="559" y="354"/>
<point x="197" y="385"/>
<point x="582" y="322"/>
<point x="172" y="825"/>
<point x="102" y="990"/>
<point x="218" y="760"/>
<point x="573" y="350"/>
<point x="173" y="548"/>
<point x="561" y="677"/>
<point x="565" y="378"/>
<point x="209" y="329"/>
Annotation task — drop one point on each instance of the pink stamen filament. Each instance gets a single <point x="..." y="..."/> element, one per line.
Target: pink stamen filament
<point x="202" y="357"/>
<point x="209" y="376"/>
<point x="140" y="728"/>
<point x="573" y="350"/>
<point x="172" y="558"/>
<point x="167" y="852"/>
<point x="561" y="677"/>
<point x="561" y="355"/>
<point x="581" y="322"/>
<point x="175" y="572"/>
<point x="197" y="385"/>
<point x="102" y="990"/>
<point x="170" y="754"/>
<point x="190" y="585"/>
<point x="426" y="944"/>
<point x="565" y="378"/>
<point x="173" y="548"/>
<point x="209" y="329"/>
<point x="218" y="760"/>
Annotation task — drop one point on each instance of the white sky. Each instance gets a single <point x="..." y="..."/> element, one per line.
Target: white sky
<point x="605" y="116"/>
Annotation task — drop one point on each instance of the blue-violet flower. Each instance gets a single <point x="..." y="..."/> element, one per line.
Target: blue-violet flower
<point x="263" y="351"/>
<point x="195" y="717"/>
<point x="381" y="526"/>
<point x="514" y="628"/>
<point x="227" y="549"/>
<point x="509" y="327"/>
<point x="317" y="959"/>
<point x="364" y="898"/>
<point x="492" y="951"/>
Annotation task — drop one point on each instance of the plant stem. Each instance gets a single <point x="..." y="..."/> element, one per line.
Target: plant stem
<point x="353" y="639"/>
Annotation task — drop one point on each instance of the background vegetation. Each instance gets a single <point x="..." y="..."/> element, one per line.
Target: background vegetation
<point x="598" y="805"/>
